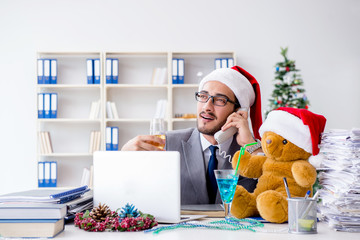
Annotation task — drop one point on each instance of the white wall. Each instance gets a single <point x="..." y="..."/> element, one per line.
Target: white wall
<point x="323" y="37"/>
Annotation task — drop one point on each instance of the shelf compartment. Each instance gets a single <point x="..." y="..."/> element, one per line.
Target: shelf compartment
<point x="138" y="103"/>
<point x="130" y="63"/>
<point x="71" y="67"/>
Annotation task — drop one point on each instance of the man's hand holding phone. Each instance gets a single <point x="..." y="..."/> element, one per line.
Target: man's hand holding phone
<point x="239" y="120"/>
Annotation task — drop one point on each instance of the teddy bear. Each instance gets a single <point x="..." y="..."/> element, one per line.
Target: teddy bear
<point x="289" y="137"/>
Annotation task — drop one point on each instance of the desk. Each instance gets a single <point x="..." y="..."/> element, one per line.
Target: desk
<point x="324" y="233"/>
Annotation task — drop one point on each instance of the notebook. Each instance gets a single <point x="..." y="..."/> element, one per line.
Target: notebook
<point x="148" y="180"/>
<point x="46" y="195"/>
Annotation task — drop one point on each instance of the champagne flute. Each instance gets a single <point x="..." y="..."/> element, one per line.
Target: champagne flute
<point x="227" y="180"/>
<point x="157" y="128"/>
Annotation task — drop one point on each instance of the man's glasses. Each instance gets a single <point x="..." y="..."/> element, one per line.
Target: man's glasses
<point x="216" y="100"/>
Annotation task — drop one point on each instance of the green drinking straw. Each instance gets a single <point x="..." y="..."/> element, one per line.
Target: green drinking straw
<point x="242" y="151"/>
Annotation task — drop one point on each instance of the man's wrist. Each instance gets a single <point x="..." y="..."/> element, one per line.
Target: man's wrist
<point x="251" y="149"/>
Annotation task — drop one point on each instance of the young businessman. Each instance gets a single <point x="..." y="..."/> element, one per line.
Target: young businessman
<point x="224" y="97"/>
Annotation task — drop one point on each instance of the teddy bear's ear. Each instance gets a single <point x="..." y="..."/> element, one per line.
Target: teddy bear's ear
<point x="316" y="160"/>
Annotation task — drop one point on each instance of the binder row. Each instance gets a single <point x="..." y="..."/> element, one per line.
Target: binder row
<point x="112" y="138"/>
<point x="112" y="70"/>
<point x="47" y="71"/>
<point x="224" y="63"/>
<point x="178" y="70"/>
<point x="93" y="70"/>
<point x="47" y="105"/>
<point x="47" y="174"/>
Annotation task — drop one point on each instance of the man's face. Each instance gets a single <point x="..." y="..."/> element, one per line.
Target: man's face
<point x="211" y="118"/>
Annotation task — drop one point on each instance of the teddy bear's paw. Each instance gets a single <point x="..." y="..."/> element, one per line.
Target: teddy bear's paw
<point x="304" y="173"/>
<point x="272" y="206"/>
<point x="243" y="165"/>
<point x="243" y="204"/>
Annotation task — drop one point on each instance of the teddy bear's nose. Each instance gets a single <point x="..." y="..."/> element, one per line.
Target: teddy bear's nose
<point x="268" y="141"/>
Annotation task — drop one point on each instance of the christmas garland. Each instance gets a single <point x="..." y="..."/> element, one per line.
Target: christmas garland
<point x="102" y="218"/>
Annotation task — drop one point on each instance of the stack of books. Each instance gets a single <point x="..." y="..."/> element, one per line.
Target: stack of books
<point x="340" y="181"/>
<point x="45" y="142"/>
<point x="159" y="76"/>
<point x="40" y="212"/>
<point x="95" y="110"/>
<point x="111" y="111"/>
<point x="210" y="210"/>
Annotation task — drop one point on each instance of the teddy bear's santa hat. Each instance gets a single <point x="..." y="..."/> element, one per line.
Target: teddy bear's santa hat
<point x="299" y="126"/>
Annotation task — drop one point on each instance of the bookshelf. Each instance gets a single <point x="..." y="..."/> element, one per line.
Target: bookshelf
<point x="135" y="97"/>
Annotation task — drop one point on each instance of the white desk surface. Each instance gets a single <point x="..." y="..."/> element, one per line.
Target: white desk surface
<point x="324" y="233"/>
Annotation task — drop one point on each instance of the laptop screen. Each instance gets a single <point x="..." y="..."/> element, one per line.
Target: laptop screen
<point x="148" y="180"/>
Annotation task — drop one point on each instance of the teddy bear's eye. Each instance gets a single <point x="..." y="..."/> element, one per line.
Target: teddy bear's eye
<point x="284" y="141"/>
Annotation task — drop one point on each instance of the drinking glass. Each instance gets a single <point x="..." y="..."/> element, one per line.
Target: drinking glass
<point x="157" y="128"/>
<point x="227" y="180"/>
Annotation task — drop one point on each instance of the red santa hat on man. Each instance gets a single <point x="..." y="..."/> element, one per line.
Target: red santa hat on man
<point x="299" y="126"/>
<point x="245" y="88"/>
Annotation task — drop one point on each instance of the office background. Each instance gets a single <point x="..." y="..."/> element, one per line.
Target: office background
<point x="322" y="35"/>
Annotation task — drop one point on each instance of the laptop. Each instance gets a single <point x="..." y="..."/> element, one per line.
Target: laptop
<point x="148" y="180"/>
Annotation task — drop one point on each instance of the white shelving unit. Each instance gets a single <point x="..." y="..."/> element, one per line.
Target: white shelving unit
<point x="135" y="98"/>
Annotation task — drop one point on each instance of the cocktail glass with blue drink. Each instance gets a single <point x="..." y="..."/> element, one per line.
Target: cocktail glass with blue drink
<point x="227" y="180"/>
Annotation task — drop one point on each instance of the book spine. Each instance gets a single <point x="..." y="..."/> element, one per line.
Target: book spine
<point x="115" y="139"/>
<point x="47" y="170"/>
<point x="181" y="71"/>
<point x="40" y="71"/>
<point x="70" y="192"/>
<point x="54" y="105"/>
<point x="41" y="174"/>
<point x="115" y="71"/>
<point x="230" y="62"/>
<point x="91" y="145"/>
<point x="108" y="70"/>
<point x="217" y="63"/>
<point x="90" y="71"/>
<point x="224" y="63"/>
<point x="41" y="113"/>
<point x="47" y="105"/>
<point x="174" y="71"/>
<point x="53" y="174"/>
<point x="97" y="71"/>
<point x="53" y="71"/>
<point x="108" y="138"/>
<point x="47" y="71"/>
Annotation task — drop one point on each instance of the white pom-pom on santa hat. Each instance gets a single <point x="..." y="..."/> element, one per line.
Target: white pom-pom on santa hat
<point x="300" y="126"/>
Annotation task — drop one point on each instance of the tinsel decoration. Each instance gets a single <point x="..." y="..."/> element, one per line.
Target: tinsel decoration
<point x="231" y="224"/>
<point x="113" y="222"/>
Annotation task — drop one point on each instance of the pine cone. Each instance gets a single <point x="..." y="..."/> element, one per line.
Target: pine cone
<point x="100" y="213"/>
<point x="129" y="211"/>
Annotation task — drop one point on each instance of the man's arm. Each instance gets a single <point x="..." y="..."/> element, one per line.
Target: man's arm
<point x="143" y="143"/>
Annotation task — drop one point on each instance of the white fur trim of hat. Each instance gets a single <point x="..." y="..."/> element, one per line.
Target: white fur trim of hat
<point x="290" y="127"/>
<point x="234" y="80"/>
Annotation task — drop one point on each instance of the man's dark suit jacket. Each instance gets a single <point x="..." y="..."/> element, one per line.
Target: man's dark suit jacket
<point x="193" y="169"/>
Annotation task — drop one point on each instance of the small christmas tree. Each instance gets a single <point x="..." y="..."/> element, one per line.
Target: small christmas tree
<point x="288" y="91"/>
